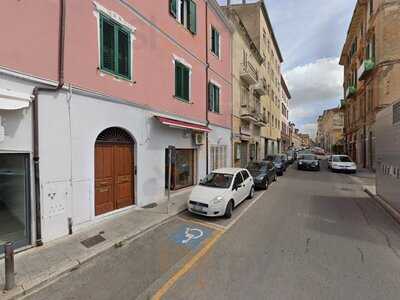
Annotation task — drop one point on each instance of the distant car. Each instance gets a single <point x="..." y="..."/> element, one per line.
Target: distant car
<point x="280" y="165"/>
<point x="220" y="192"/>
<point x="308" y="162"/>
<point x="284" y="158"/>
<point x="341" y="163"/>
<point x="263" y="173"/>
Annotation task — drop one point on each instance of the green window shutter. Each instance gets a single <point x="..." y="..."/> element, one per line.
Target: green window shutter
<point x="216" y="99"/>
<point x="173" y="7"/>
<point x="191" y="16"/>
<point x="186" y="83"/>
<point x="178" y="80"/>
<point x="217" y="43"/>
<point x="210" y="96"/>
<point x="213" y="40"/>
<point x="107" y="33"/>
<point x="124" y="53"/>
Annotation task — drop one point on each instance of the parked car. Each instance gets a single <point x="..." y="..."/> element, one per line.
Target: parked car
<point x="263" y="173"/>
<point x="279" y="164"/>
<point x="220" y="192"/>
<point x="341" y="163"/>
<point x="285" y="159"/>
<point x="308" y="162"/>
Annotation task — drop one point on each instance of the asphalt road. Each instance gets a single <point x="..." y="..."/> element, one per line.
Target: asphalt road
<point x="312" y="235"/>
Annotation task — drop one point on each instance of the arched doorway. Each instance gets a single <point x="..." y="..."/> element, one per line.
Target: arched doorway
<point x="114" y="170"/>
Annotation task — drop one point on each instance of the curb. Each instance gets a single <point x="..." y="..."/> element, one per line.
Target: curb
<point x="41" y="281"/>
<point x="386" y="206"/>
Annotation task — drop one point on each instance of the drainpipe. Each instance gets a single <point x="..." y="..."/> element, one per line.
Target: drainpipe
<point x="35" y="120"/>
<point x="207" y="93"/>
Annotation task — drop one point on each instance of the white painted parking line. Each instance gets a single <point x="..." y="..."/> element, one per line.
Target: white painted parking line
<point x="244" y="210"/>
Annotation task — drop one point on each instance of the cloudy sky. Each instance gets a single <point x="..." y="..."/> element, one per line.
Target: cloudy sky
<point x="310" y="34"/>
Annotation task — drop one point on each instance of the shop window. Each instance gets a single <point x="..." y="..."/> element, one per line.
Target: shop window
<point x="14" y="199"/>
<point x="182" y="170"/>
<point x="218" y="157"/>
<point x="115" y="48"/>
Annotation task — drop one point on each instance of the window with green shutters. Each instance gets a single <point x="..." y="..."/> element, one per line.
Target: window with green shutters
<point x="213" y="97"/>
<point x="215" y="41"/>
<point x="115" y="48"/>
<point x="182" y="81"/>
<point x="185" y="12"/>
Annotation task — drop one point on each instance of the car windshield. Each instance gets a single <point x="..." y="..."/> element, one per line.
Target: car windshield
<point x="217" y="180"/>
<point x="341" y="159"/>
<point x="308" y="157"/>
<point x="273" y="158"/>
<point x="257" y="167"/>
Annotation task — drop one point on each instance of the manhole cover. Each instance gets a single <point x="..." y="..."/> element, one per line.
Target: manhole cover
<point x="151" y="205"/>
<point x="93" y="241"/>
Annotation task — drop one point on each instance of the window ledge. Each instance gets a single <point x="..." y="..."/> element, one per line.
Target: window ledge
<point x="215" y="113"/>
<point x="183" y="100"/>
<point x="215" y="55"/>
<point x="115" y="76"/>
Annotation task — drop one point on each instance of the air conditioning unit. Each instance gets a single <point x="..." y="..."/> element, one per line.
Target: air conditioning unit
<point x="199" y="138"/>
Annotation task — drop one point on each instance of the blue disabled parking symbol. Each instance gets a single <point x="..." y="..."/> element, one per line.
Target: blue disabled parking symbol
<point x="191" y="236"/>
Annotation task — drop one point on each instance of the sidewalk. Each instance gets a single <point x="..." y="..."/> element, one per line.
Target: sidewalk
<point x="37" y="266"/>
<point x="365" y="178"/>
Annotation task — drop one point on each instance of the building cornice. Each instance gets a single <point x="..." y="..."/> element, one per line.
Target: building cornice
<point x="217" y="9"/>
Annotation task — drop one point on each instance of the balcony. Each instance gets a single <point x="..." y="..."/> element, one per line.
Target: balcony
<point x="366" y="67"/>
<point x="248" y="113"/>
<point x="351" y="91"/>
<point x="248" y="73"/>
<point x="260" y="87"/>
<point x="261" y="120"/>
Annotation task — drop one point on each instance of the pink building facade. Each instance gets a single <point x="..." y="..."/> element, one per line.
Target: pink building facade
<point x="137" y="78"/>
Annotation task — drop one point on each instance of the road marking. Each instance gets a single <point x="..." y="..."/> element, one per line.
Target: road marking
<point x="245" y="210"/>
<point x="201" y="253"/>
<point x="203" y="223"/>
<point x="164" y="289"/>
<point x="192" y="234"/>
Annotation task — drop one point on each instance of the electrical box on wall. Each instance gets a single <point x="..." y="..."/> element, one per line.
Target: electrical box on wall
<point x="199" y="138"/>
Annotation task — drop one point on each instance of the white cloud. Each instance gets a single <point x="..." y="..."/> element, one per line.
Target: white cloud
<point x="315" y="82"/>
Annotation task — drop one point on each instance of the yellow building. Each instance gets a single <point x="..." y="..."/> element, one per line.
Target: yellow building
<point x="330" y="130"/>
<point x="256" y="84"/>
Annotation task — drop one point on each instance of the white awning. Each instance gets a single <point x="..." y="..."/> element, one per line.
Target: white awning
<point x="10" y="100"/>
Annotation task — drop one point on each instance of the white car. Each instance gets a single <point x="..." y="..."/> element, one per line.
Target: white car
<point x="220" y="192"/>
<point x="341" y="163"/>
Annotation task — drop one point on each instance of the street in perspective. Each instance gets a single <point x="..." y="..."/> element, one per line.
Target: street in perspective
<point x="199" y="149"/>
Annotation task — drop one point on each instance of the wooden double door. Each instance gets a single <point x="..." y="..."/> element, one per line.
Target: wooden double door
<point x="114" y="177"/>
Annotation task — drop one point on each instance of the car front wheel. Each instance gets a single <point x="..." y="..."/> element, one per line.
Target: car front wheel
<point x="266" y="184"/>
<point x="251" y="195"/>
<point x="229" y="209"/>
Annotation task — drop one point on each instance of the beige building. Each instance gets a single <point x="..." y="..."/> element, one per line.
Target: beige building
<point x="330" y="131"/>
<point x="294" y="137"/>
<point x="256" y="83"/>
<point x="371" y="60"/>
<point x="285" y="138"/>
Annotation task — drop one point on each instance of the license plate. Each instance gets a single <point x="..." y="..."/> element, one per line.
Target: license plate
<point x="198" y="208"/>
